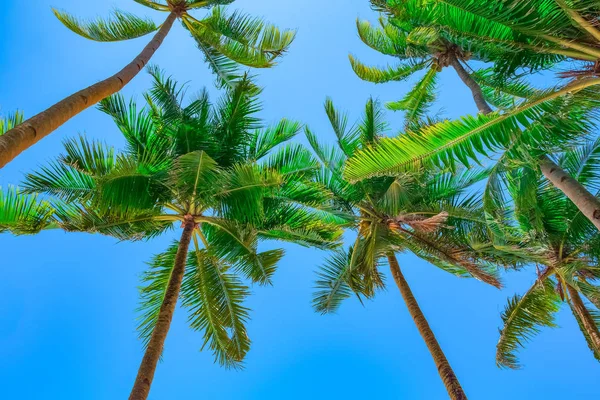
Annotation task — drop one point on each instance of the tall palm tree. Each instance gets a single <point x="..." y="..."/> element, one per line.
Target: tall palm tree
<point x="564" y="246"/>
<point x="225" y="40"/>
<point x="428" y="213"/>
<point x="207" y="168"/>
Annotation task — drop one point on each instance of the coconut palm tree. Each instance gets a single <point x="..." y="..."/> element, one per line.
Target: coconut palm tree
<point x="225" y="40"/>
<point x="410" y="32"/>
<point x="564" y="246"/>
<point x="427" y="213"/>
<point x="208" y="169"/>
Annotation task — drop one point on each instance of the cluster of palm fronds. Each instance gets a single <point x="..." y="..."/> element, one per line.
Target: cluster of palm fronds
<point x="232" y="182"/>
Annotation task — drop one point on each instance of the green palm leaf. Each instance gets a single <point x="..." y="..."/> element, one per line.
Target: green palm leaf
<point x="121" y="26"/>
<point x="10" y="121"/>
<point x="23" y="214"/>
<point x="213" y="298"/>
<point x="522" y="318"/>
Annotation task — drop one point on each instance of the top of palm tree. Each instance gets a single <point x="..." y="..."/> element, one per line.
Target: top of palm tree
<point x="430" y="213"/>
<point x="226" y="40"/>
<point x="10" y="121"/>
<point x="215" y="164"/>
<point x="553" y="234"/>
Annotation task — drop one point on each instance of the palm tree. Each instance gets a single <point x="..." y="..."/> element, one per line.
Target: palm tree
<point x="563" y="245"/>
<point x="225" y="40"/>
<point x="207" y="168"/>
<point x="427" y="213"/>
<point x="411" y="33"/>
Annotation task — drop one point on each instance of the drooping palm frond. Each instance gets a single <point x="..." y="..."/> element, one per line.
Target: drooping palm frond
<point x="214" y="299"/>
<point x="121" y="26"/>
<point x="22" y="213"/>
<point x="334" y="282"/>
<point x="384" y="74"/>
<point x="417" y="102"/>
<point x="522" y="319"/>
<point x="155" y="282"/>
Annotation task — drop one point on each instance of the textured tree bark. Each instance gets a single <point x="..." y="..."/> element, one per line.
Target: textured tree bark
<point x="587" y="203"/>
<point x="585" y="317"/>
<point x="450" y="380"/>
<point x="25" y="135"/>
<point x="468" y="80"/>
<point x="143" y="381"/>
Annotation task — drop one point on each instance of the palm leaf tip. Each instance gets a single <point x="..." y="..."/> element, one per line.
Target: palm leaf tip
<point x="522" y="318"/>
<point x="120" y="26"/>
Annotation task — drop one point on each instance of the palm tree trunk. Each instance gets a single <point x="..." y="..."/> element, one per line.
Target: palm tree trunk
<point x="586" y="319"/>
<point x="587" y="203"/>
<point x="25" y="135"/>
<point x="141" y="387"/>
<point x="450" y="380"/>
<point x="468" y="80"/>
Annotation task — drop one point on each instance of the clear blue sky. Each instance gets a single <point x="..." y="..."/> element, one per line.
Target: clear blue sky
<point x="67" y="328"/>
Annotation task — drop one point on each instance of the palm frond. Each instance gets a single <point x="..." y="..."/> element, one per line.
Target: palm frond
<point x="121" y="26"/>
<point x="23" y="214"/>
<point x="522" y="319"/>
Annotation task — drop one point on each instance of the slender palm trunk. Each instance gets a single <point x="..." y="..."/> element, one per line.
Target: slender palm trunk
<point x="587" y="203"/>
<point x="25" y="135"/>
<point x="450" y="380"/>
<point x="586" y="319"/>
<point x="468" y="80"/>
<point x="143" y="381"/>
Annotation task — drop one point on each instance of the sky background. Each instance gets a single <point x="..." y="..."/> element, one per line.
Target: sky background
<point x="67" y="317"/>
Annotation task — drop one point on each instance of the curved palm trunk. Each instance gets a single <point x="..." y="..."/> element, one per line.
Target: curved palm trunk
<point x="468" y="80"/>
<point x="450" y="380"/>
<point x="586" y="319"/>
<point x="25" y="135"/>
<point x="141" y="387"/>
<point x="587" y="203"/>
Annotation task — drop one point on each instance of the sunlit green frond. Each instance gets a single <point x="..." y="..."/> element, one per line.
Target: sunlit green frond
<point x="377" y="39"/>
<point x="214" y="300"/>
<point x="293" y="161"/>
<point x="384" y="74"/>
<point x="451" y="142"/>
<point x="418" y="101"/>
<point x="153" y="290"/>
<point x="10" y="121"/>
<point x="121" y="26"/>
<point x="156" y="5"/>
<point x="196" y="176"/>
<point x="23" y="214"/>
<point x="91" y="157"/>
<point x="238" y="246"/>
<point x="60" y="180"/>
<point x="265" y="140"/>
<point x="347" y="136"/>
<point x="249" y="31"/>
<point x="522" y="319"/>
<point x="372" y="126"/>
<point x="122" y="225"/>
<point x="332" y="285"/>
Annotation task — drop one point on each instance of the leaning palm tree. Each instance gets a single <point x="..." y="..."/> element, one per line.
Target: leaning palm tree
<point x="427" y="213"/>
<point x="409" y="32"/>
<point x="564" y="246"/>
<point x="208" y="169"/>
<point x="225" y="40"/>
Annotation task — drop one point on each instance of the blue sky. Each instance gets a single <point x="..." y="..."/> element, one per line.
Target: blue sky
<point x="67" y="327"/>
